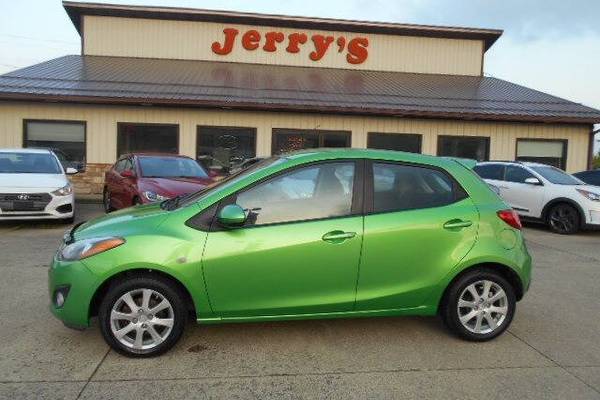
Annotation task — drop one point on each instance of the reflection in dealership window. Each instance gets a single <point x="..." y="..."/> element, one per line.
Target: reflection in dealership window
<point x="65" y="138"/>
<point x="224" y="148"/>
<point x="473" y="147"/>
<point x="549" y="152"/>
<point x="394" y="141"/>
<point x="314" y="192"/>
<point x="150" y="138"/>
<point x="286" y="140"/>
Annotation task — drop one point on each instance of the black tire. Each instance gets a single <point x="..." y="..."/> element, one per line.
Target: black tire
<point x="106" y="201"/>
<point x="449" y="308"/>
<point x="563" y="219"/>
<point x="68" y="221"/>
<point x="136" y="201"/>
<point x="162" y="286"/>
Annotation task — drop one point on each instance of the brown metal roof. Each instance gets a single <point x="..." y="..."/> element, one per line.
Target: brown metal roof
<point x="75" y="10"/>
<point x="120" y="80"/>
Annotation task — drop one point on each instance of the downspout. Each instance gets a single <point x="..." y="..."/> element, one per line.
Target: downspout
<point x="591" y="146"/>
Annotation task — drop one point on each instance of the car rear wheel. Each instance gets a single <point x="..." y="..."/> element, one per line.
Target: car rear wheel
<point x="106" y="201"/>
<point x="563" y="219"/>
<point x="142" y="316"/>
<point x="479" y="306"/>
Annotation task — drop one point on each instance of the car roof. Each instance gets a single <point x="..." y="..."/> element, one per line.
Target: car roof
<point x="29" y="151"/>
<point x="526" y="163"/>
<point x="152" y="154"/>
<point x="308" y="155"/>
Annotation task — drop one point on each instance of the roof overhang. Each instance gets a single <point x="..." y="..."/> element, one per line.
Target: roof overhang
<point x="282" y="107"/>
<point x="76" y="10"/>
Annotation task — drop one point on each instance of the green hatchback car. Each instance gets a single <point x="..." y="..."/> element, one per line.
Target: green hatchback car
<point x="312" y="234"/>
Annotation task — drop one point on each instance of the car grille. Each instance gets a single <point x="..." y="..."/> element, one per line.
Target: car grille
<point x="24" y="201"/>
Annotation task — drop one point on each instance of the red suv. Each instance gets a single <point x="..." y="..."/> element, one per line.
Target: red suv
<point x="145" y="178"/>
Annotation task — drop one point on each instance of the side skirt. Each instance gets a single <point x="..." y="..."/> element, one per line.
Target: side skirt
<point x="422" y="311"/>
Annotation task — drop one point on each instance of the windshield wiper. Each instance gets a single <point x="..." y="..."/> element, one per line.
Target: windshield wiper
<point x="172" y="203"/>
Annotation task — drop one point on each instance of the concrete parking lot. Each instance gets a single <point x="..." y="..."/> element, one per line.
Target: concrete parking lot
<point x="551" y="351"/>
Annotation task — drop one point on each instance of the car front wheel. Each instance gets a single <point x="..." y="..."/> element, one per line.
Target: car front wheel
<point x="563" y="219"/>
<point x="479" y="306"/>
<point x="142" y="316"/>
<point x="106" y="201"/>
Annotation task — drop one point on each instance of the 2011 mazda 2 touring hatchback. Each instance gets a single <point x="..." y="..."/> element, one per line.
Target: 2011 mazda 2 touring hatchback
<point x="313" y="234"/>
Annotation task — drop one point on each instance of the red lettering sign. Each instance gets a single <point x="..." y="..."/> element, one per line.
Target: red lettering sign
<point x="356" y="48"/>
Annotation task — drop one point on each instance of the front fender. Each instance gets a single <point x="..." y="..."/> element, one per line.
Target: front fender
<point x="180" y="259"/>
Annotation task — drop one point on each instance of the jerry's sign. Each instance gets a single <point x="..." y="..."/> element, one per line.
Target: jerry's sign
<point x="356" y="49"/>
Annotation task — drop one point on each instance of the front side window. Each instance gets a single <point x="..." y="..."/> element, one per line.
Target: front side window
<point x="65" y="138"/>
<point x="159" y="138"/>
<point x="398" y="187"/>
<point x="473" y="147"/>
<point x="308" y="193"/>
<point x="286" y="140"/>
<point x="28" y="163"/>
<point x="170" y="167"/>
<point x="549" y="152"/>
<point x="517" y="174"/>
<point x="394" y="141"/>
<point x="490" y="171"/>
<point x="222" y="147"/>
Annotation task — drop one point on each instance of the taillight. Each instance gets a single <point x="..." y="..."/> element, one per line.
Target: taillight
<point x="511" y="218"/>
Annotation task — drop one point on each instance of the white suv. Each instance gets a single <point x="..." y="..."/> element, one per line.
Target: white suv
<point x="544" y="193"/>
<point x="34" y="185"/>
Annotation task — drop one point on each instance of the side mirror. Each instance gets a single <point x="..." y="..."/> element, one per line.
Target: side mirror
<point x="232" y="215"/>
<point x="128" y="174"/>
<point x="533" y="181"/>
<point x="71" y="171"/>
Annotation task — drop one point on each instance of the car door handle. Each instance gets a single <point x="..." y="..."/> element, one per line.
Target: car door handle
<point x="457" y="224"/>
<point x="337" y="236"/>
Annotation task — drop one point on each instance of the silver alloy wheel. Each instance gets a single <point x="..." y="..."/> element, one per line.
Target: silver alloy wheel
<point x="482" y="307"/>
<point x="142" y="319"/>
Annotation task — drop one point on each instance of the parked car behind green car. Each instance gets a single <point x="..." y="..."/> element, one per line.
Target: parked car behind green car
<point x="313" y="234"/>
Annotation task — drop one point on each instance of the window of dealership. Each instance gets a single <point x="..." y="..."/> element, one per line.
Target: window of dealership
<point x="223" y="87"/>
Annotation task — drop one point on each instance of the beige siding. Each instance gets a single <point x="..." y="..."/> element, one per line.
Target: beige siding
<point x="102" y="128"/>
<point x="147" y="38"/>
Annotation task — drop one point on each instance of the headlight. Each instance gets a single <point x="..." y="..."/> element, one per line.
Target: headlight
<point x="590" y="195"/>
<point x="64" y="191"/>
<point x="153" y="196"/>
<point x="88" y="247"/>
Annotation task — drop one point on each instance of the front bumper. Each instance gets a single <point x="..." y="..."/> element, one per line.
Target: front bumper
<point x="82" y="285"/>
<point x="57" y="208"/>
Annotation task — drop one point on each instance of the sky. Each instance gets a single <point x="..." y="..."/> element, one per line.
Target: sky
<point x="548" y="45"/>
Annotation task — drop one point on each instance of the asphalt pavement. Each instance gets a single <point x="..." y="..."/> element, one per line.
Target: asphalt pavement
<point x="551" y="351"/>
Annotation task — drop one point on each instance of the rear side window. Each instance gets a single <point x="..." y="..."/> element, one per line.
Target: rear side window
<point x="517" y="174"/>
<point x="399" y="187"/>
<point x="490" y="171"/>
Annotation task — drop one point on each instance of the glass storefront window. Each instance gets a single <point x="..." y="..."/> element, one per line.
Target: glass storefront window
<point x="473" y="147"/>
<point x="147" y="138"/>
<point x="223" y="148"/>
<point x="394" y="141"/>
<point x="544" y="151"/>
<point x="286" y="140"/>
<point x="65" y="138"/>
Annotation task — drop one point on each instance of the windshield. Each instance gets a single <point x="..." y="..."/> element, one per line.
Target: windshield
<point x="229" y="181"/>
<point x="28" y="163"/>
<point x="556" y="176"/>
<point x="170" y="167"/>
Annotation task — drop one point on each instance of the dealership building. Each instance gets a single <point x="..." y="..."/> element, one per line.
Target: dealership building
<point x="224" y="86"/>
